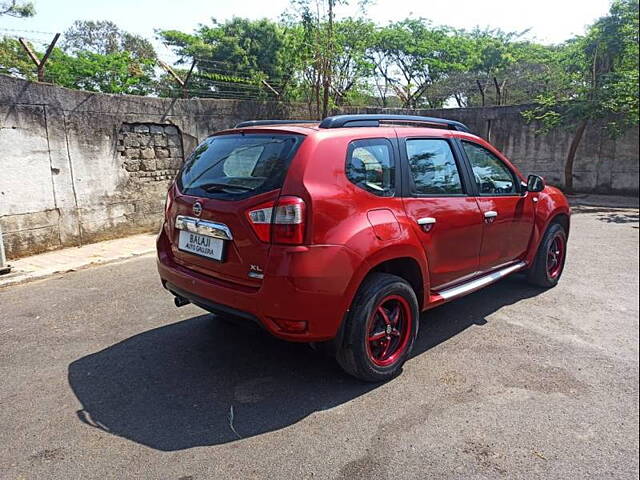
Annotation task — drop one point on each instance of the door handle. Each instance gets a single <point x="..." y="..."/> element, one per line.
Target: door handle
<point x="426" y="223"/>
<point x="490" y="216"/>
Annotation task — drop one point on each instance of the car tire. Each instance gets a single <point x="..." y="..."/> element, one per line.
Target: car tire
<point x="548" y="263"/>
<point x="381" y="328"/>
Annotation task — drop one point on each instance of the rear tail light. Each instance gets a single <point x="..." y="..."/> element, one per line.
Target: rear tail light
<point x="282" y="221"/>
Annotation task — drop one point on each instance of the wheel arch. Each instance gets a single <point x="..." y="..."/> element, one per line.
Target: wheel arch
<point x="544" y="218"/>
<point x="406" y="268"/>
<point x="563" y="219"/>
<point x="404" y="260"/>
<point x="401" y="260"/>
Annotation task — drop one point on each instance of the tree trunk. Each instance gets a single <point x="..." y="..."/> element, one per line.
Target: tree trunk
<point x="498" y="92"/>
<point x="571" y="156"/>
<point x="327" y="65"/>
<point x="481" y="91"/>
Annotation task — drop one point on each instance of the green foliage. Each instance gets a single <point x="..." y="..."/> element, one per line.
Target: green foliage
<point x="17" y="8"/>
<point x="238" y="51"/>
<point x="311" y="56"/>
<point x="95" y="56"/>
<point x="598" y="78"/>
<point x="116" y="72"/>
<point x="598" y="81"/>
<point x="412" y="55"/>
<point x="14" y="61"/>
<point x="105" y="38"/>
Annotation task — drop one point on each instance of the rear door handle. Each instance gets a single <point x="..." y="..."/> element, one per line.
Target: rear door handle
<point x="426" y="223"/>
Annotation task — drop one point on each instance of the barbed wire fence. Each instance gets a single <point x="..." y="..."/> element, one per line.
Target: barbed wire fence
<point x="205" y="77"/>
<point x="189" y="77"/>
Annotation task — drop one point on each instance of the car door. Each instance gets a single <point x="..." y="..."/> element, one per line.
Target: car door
<point x="445" y="216"/>
<point x="507" y="209"/>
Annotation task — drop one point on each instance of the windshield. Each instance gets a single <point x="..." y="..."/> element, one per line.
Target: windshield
<point x="238" y="166"/>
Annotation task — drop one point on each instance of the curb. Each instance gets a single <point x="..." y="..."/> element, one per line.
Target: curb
<point x="21" y="278"/>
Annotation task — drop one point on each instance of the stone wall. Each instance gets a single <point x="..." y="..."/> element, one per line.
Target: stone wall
<point x="78" y="167"/>
<point x="151" y="152"/>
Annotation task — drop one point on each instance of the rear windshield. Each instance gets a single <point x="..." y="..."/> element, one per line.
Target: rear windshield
<point x="238" y="166"/>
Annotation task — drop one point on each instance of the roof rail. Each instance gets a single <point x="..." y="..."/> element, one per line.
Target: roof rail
<point x="259" y="123"/>
<point x="373" y="120"/>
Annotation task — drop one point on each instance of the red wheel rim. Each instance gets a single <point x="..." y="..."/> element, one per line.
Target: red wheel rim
<point x="388" y="330"/>
<point x="555" y="256"/>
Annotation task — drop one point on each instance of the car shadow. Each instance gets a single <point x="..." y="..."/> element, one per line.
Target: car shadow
<point x="203" y="381"/>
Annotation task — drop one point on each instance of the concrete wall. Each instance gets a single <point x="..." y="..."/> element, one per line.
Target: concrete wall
<point x="79" y="167"/>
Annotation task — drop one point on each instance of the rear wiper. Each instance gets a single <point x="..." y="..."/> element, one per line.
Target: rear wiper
<point x="216" y="187"/>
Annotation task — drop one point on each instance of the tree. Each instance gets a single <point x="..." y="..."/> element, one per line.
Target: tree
<point x="234" y="57"/>
<point x="600" y="81"/>
<point x="115" y="72"/>
<point x="104" y="38"/>
<point x="314" y="22"/>
<point x="14" y="61"/>
<point x="412" y="55"/>
<point x="17" y="8"/>
<point x="120" y="71"/>
<point x="351" y="67"/>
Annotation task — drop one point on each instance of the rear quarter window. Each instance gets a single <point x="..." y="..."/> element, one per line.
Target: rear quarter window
<point x="371" y="166"/>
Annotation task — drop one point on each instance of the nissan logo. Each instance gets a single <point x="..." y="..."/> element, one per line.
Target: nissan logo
<point x="197" y="209"/>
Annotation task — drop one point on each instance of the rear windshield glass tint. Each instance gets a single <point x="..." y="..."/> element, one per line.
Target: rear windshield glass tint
<point x="238" y="166"/>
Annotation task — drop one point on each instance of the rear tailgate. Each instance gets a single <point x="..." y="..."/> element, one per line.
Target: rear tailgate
<point x="223" y="179"/>
<point x="243" y="256"/>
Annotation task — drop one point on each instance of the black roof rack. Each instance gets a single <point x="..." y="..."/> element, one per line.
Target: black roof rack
<point x="259" y="123"/>
<point x="373" y="120"/>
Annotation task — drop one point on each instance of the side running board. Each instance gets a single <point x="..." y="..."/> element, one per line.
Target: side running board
<point x="478" y="283"/>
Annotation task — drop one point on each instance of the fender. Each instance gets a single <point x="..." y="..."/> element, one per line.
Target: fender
<point x="551" y="203"/>
<point x="391" y="252"/>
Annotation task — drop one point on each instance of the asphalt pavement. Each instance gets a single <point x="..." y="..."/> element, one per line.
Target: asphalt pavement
<point x="102" y="377"/>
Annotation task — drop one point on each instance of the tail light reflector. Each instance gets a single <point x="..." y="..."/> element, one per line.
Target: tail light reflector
<point x="168" y="203"/>
<point x="282" y="221"/>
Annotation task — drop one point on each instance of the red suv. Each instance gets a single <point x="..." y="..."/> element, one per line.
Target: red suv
<point x="341" y="232"/>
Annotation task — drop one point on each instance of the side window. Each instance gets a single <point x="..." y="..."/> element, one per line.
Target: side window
<point x="433" y="168"/>
<point x="491" y="174"/>
<point x="370" y="166"/>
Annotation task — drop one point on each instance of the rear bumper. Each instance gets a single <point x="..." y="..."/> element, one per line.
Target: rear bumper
<point x="301" y="284"/>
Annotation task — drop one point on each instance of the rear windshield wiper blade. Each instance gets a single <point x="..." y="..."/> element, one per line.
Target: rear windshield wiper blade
<point x="213" y="187"/>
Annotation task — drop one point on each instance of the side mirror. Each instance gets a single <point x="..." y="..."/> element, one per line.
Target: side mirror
<point x="535" y="183"/>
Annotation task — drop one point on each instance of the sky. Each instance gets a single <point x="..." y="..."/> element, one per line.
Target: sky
<point x="550" y="21"/>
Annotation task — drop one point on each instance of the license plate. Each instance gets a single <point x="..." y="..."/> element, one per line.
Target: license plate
<point x="202" y="245"/>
